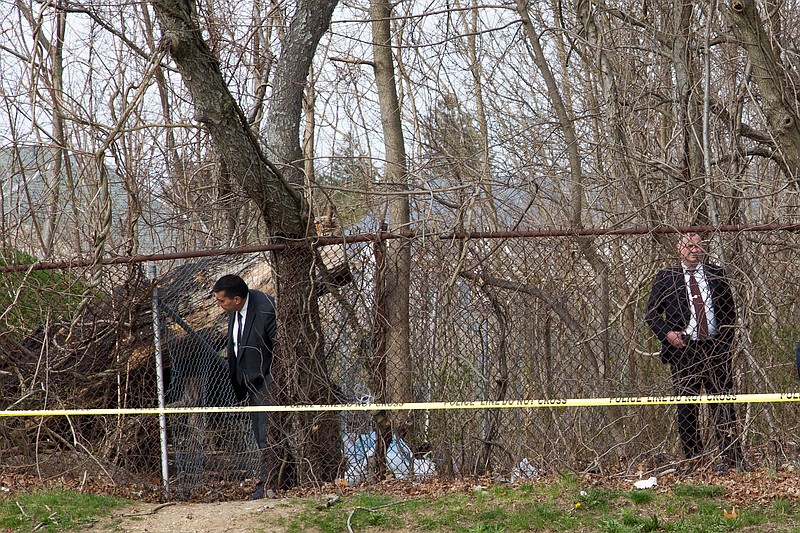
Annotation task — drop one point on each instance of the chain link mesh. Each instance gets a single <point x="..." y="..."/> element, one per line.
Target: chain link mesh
<point x="490" y="319"/>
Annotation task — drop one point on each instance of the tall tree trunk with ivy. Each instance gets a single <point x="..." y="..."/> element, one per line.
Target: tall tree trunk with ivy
<point x="273" y="182"/>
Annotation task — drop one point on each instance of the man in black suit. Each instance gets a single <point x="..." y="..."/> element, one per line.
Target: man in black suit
<point x="251" y="339"/>
<point x="692" y="312"/>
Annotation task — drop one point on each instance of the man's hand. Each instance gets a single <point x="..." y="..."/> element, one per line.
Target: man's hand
<point x="675" y="338"/>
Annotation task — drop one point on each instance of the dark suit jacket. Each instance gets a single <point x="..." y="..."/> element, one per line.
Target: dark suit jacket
<point x="252" y="363"/>
<point x="668" y="307"/>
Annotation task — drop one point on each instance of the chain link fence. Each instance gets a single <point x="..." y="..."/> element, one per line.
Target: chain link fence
<point x="499" y="317"/>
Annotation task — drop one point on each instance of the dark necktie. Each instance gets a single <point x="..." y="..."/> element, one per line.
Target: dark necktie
<point x="699" y="307"/>
<point x="239" y="334"/>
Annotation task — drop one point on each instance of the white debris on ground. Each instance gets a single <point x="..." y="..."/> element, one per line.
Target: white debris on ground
<point x="399" y="459"/>
<point x="525" y="470"/>
<point x="648" y="483"/>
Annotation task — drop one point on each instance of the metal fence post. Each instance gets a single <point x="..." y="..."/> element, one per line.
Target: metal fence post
<point x="162" y="418"/>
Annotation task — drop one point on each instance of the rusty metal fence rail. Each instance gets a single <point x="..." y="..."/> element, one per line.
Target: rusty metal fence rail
<point x="517" y="315"/>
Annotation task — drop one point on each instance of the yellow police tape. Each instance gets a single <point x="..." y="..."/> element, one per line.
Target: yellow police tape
<point x="417" y="406"/>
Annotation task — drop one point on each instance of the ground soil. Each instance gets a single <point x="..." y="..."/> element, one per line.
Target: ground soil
<point x="758" y="487"/>
<point x="226" y="507"/>
<point x="219" y="517"/>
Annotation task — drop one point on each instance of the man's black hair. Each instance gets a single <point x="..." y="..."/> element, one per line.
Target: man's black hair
<point x="232" y="285"/>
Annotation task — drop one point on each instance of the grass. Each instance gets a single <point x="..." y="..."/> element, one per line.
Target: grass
<point x="54" y="510"/>
<point x="560" y="506"/>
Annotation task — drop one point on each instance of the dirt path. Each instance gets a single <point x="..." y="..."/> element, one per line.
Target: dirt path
<point x="227" y="517"/>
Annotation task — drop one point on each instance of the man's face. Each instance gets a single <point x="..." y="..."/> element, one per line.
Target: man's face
<point x="230" y="305"/>
<point x="691" y="249"/>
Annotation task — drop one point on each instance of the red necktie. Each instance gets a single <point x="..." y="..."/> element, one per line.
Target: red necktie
<point x="699" y="307"/>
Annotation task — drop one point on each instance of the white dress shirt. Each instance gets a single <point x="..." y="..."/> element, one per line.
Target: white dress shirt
<point x="243" y="315"/>
<point x="705" y="292"/>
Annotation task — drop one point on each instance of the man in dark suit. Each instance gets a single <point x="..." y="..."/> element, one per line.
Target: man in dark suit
<point x="692" y="312"/>
<point x="251" y="338"/>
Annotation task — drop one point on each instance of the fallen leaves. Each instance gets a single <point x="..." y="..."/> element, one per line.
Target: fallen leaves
<point x="761" y="486"/>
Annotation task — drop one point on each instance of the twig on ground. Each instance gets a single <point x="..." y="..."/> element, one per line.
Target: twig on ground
<point x="42" y="524"/>
<point x="21" y="510"/>
<point x="154" y="510"/>
<point x="371" y="510"/>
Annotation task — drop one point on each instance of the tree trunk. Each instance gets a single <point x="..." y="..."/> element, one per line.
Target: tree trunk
<point x="690" y="115"/>
<point x="297" y="304"/>
<point x="396" y="275"/>
<point x="299" y="361"/>
<point x="566" y="122"/>
<point x="778" y="91"/>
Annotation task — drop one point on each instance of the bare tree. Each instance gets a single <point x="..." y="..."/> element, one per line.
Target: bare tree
<point x="397" y="266"/>
<point x="300" y="356"/>
<point x="777" y="84"/>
